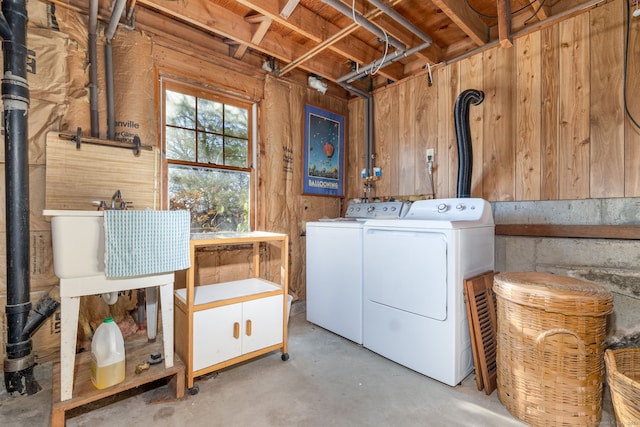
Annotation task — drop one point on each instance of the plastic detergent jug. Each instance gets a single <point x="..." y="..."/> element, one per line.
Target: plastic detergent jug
<point x="107" y="355"/>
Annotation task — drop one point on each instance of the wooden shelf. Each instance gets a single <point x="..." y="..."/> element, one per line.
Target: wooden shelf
<point x="201" y="347"/>
<point x="627" y="232"/>
<point x="137" y="352"/>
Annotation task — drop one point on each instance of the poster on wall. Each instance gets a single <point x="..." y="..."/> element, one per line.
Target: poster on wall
<point x="323" y="152"/>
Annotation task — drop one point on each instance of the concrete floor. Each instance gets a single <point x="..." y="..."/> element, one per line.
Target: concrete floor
<point x="327" y="381"/>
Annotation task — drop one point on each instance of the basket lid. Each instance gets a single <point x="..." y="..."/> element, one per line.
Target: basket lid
<point x="554" y="293"/>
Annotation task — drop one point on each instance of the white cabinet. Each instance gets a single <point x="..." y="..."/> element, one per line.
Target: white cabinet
<point x="229" y="331"/>
<point x="218" y="325"/>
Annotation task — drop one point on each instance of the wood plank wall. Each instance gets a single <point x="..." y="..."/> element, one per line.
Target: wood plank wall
<point x="552" y="125"/>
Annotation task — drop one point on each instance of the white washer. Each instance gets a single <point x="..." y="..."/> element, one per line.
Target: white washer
<point x="334" y="267"/>
<point x="414" y="310"/>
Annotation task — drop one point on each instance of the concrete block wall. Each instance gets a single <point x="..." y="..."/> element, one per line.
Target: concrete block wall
<point x="609" y="262"/>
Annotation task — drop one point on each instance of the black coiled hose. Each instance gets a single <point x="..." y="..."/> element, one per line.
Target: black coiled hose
<point x="463" y="138"/>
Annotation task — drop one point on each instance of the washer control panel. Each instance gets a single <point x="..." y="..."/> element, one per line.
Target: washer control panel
<point x="458" y="209"/>
<point x="377" y="210"/>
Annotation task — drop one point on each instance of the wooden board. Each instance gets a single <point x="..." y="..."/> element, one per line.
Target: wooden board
<point x="137" y="352"/>
<point x="77" y="177"/>
<point x="481" y="310"/>
<point x="527" y="118"/>
<point x="574" y="108"/>
<point x="607" y="114"/>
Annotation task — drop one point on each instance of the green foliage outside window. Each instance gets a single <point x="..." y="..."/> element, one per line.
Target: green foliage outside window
<point x="208" y="148"/>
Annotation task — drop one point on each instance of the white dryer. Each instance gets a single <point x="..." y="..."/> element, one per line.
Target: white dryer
<point x="334" y="267"/>
<point x="414" y="310"/>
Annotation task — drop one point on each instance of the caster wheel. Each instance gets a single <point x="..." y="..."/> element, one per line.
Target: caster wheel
<point x="194" y="390"/>
<point x="285" y="357"/>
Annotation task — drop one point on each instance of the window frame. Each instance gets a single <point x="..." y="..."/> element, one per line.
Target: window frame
<point x="205" y="92"/>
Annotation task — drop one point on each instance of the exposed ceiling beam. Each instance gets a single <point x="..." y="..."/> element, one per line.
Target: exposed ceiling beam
<point x="504" y="23"/>
<point x="541" y="8"/>
<point x="288" y="8"/>
<point x="212" y="18"/>
<point x="261" y="24"/>
<point x="307" y="23"/>
<point x="464" y="18"/>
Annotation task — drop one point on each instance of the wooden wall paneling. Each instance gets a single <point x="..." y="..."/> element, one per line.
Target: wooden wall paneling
<point x="549" y="120"/>
<point x="409" y="164"/>
<point x="426" y="135"/>
<point x="445" y="132"/>
<point x="607" y="110"/>
<point x="383" y="135"/>
<point x="632" y="132"/>
<point x="528" y="112"/>
<point x="574" y="94"/>
<point x="393" y="123"/>
<point x="499" y="124"/>
<point x="471" y="77"/>
<point x="454" y="92"/>
<point x="355" y="148"/>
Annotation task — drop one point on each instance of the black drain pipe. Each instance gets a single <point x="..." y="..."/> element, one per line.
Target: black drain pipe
<point x="463" y="137"/>
<point x="21" y="321"/>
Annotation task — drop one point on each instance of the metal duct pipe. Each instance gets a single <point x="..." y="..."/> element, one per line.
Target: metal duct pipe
<point x="93" y="70"/>
<point x="118" y="8"/>
<point x="354" y="75"/>
<point x="463" y="137"/>
<point x="365" y="23"/>
<point x="401" y="20"/>
<point x="111" y="110"/>
<point x="116" y="14"/>
<point x="19" y="360"/>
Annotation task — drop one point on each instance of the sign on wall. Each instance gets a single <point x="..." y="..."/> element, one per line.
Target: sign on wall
<point x="323" y="152"/>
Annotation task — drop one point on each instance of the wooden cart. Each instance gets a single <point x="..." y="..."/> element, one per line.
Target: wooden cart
<point x="221" y="324"/>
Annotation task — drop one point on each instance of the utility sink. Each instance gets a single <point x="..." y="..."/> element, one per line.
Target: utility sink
<point x="78" y="242"/>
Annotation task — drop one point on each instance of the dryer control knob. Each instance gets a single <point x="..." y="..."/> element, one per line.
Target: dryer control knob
<point x="442" y="207"/>
<point x="460" y="207"/>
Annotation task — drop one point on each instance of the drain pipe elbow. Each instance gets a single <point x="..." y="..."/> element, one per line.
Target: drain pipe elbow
<point x="45" y="307"/>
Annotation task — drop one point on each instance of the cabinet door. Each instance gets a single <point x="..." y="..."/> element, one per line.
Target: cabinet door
<point x="213" y="335"/>
<point x="262" y="323"/>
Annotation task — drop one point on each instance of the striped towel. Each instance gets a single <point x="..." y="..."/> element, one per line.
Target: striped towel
<point x="144" y="242"/>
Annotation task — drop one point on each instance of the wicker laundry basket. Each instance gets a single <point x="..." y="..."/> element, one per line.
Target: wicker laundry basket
<point x="623" y="377"/>
<point x="550" y="352"/>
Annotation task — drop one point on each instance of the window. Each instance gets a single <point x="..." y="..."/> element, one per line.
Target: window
<point x="208" y="155"/>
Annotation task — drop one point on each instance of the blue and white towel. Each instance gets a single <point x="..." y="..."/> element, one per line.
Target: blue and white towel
<point x="144" y="242"/>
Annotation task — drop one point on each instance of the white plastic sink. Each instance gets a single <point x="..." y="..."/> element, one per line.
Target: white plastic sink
<point x="78" y="242"/>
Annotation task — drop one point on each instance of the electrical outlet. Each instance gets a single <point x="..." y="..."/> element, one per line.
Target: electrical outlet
<point x="431" y="154"/>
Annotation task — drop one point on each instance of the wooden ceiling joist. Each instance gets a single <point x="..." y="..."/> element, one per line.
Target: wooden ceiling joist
<point x="308" y="24"/>
<point x="504" y="23"/>
<point x="464" y="18"/>
<point x="261" y="24"/>
<point x="288" y="8"/>
<point x="541" y="8"/>
<point x="210" y="17"/>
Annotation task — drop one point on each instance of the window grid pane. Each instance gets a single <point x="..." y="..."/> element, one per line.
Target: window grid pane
<point x="207" y="134"/>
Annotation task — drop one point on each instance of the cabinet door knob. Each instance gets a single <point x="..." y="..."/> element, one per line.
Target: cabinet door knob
<point x="248" y="332"/>
<point x="236" y="330"/>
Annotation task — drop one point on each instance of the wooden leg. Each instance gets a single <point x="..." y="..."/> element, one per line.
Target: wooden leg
<point x="152" y="312"/>
<point x="176" y="384"/>
<point x="57" y="417"/>
<point x="166" y="304"/>
<point x="70" y="306"/>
